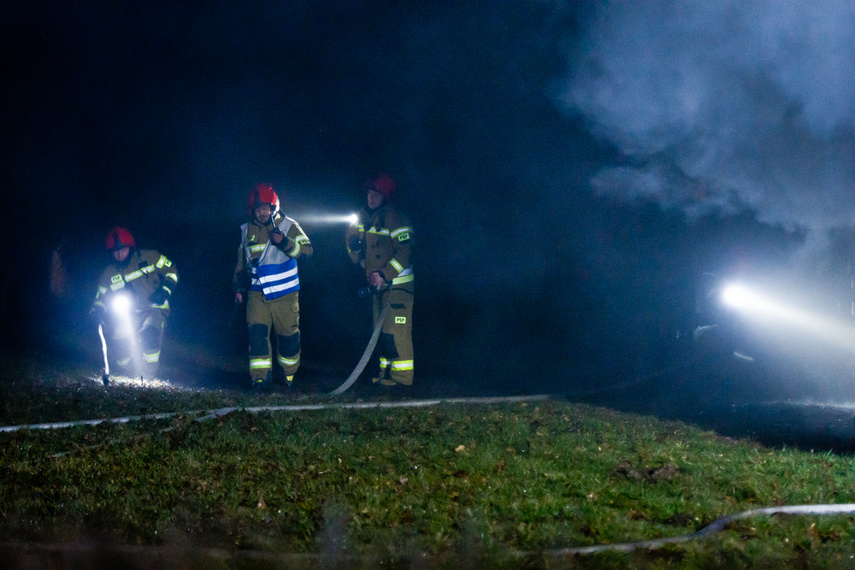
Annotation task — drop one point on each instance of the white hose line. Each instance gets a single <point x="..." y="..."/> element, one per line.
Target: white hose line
<point x="79" y="548"/>
<point x="211" y="414"/>
<point x="104" y="351"/>
<point x="710" y="529"/>
<point x="366" y="355"/>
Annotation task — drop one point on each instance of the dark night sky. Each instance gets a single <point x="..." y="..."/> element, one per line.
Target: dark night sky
<point x="571" y="167"/>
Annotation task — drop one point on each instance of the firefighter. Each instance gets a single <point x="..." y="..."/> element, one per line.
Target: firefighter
<point x="266" y="276"/>
<point x="380" y="243"/>
<point x="145" y="279"/>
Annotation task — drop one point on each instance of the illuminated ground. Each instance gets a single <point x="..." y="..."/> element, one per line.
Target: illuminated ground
<point x="776" y="405"/>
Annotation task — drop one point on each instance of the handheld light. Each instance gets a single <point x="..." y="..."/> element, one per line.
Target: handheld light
<point x="122" y="304"/>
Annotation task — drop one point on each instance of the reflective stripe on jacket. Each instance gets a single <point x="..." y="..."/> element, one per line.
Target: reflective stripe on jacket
<point x="272" y="269"/>
<point x="387" y="236"/>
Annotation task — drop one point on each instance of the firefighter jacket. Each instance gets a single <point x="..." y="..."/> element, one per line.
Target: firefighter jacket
<point x="145" y="272"/>
<point x="266" y="267"/>
<point x="385" y="237"/>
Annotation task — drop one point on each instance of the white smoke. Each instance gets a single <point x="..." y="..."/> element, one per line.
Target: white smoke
<point x="725" y="105"/>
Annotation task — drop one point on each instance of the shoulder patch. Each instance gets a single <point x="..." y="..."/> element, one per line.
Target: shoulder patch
<point x="116" y="279"/>
<point x="404" y="236"/>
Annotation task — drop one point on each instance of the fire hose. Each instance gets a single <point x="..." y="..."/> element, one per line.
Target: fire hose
<point x="106" y="376"/>
<point x="360" y="366"/>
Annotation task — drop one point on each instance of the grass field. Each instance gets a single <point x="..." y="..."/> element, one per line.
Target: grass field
<point x="451" y="485"/>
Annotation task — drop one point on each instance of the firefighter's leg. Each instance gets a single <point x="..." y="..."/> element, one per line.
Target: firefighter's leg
<point x="151" y="339"/>
<point x="397" y="335"/>
<point x="120" y="347"/>
<point x="286" y="324"/>
<point x="385" y="344"/>
<point x="258" y="324"/>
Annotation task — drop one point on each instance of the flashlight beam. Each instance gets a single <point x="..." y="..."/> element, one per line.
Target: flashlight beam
<point x="754" y="304"/>
<point x="330" y="219"/>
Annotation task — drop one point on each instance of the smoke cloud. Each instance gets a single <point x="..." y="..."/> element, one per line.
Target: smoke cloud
<point x="720" y="107"/>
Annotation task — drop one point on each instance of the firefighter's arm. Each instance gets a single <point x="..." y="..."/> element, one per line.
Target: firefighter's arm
<point x="402" y="239"/>
<point x="353" y="242"/>
<point x="98" y="310"/>
<point x="241" y="279"/>
<point x="168" y="280"/>
<point x="296" y="244"/>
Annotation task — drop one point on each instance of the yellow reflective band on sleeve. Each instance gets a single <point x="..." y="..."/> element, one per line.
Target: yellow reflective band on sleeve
<point x="398" y="233"/>
<point x="380" y="232"/>
<point x="139" y="272"/>
<point x="163" y="262"/>
<point x="402" y="365"/>
<point x="101" y="290"/>
<point x="256" y="248"/>
<point x="394" y="263"/>
<point x="403" y="279"/>
<point x="296" y="251"/>
<point x="173" y="276"/>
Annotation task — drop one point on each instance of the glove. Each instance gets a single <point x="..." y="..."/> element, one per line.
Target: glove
<point x="98" y="313"/>
<point x="354" y="243"/>
<point x="159" y="297"/>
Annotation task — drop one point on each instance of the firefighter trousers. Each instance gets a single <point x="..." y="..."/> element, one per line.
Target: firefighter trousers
<point x="136" y="343"/>
<point x="396" y="336"/>
<point x="283" y="315"/>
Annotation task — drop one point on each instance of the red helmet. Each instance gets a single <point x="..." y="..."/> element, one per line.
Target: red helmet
<point x="117" y="238"/>
<point x="382" y="184"/>
<point x="262" y="194"/>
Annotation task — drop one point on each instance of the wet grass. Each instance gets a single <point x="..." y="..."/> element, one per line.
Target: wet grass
<point x="452" y="485"/>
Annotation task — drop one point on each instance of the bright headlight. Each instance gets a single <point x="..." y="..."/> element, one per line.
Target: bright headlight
<point x="737" y="296"/>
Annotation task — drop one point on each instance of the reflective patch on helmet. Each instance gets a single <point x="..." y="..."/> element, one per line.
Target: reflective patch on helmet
<point x="400" y="320"/>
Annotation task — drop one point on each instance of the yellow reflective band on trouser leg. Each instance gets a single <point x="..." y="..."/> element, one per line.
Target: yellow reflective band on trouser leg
<point x="402" y="372"/>
<point x="259" y="367"/>
<point x="290" y="364"/>
<point x="402" y="365"/>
